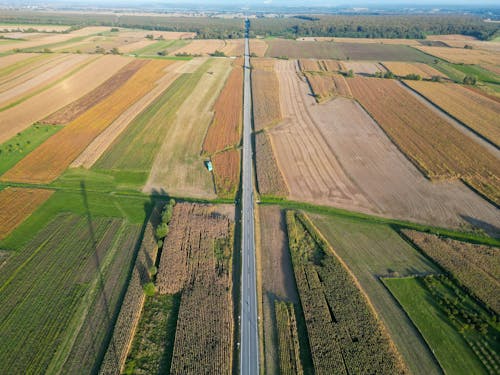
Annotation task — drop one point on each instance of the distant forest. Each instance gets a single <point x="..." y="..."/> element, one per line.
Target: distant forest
<point x="357" y="26"/>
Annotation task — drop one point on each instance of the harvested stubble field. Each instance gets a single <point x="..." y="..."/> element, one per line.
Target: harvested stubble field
<point x="178" y="168"/>
<point x="269" y="178"/>
<point x="476" y="111"/>
<point x="373" y="250"/>
<point x="277" y="279"/>
<point x="343" y="51"/>
<point x="78" y="107"/>
<point x="18" y="118"/>
<point x="56" y="72"/>
<point x="225" y="130"/>
<point x="201" y="47"/>
<point x="196" y="260"/>
<point x="48" y="288"/>
<point x="234" y="47"/>
<point x="49" y="160"/>
<point x="476" y="267"/>
<point x="389" y="180"/>
<point x="258" y="47"/>
<point x="363" y="67"/>
<point x="345" y="334"/>
<point x="153" y="48"/>
<point x="462" y="55"/>
<point x="103" y="141"/>
<point x="309" y="166"/>
<point x="436" y="147"/>
<point x="15" y="61"/>
<point x="265" y="93"/>
<point x="325" y="86"/>
<point x="226" y="173"/>
<point x="16" y="204"/>
<point x="113" y="361"/>
<point x="403" y="69"/>
<point x="310" y="65"/>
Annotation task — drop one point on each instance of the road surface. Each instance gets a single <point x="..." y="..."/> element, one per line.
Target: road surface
<point x="249" y="346"/>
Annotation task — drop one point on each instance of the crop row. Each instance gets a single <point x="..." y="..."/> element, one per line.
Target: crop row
<point x="344" y="334"/>
<point x="288" y="341"/>
<point x="269" y="177"/>
<point x="265" y="94"/>
<point x="325" y="86"/>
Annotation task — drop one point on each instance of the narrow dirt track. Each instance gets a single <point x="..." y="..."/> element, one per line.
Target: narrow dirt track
<point x="309" y="165"/>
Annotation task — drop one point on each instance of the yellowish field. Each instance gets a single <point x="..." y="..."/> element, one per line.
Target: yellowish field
<point x="363" y="67"/>
<point x="48" y="161"/>
<point x="42" y="28"/>
<point x="408" y="42"/>
<point x="234" y="47"/>
<point x="462" y="55"/>
<point x="16" y="204"/>
<point x="327" y="85"/>
<point x="478" y="112"/>
<point x="259" y="47"/>
<point x="18" y="118"/>
<point x="14" y="58"/>
<point x="402" y="69"/>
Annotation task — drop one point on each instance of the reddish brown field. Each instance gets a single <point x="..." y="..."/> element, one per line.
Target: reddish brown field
<point x="226" y="172"/>
<point x="16" y="204"/>
<point x="269" y="177"/>
<point x="265" y="90"/>
<point x="476" y="111"/>
<point x="75" y="109"/>
<point x="196" y="262"/>
<point x="435" y="146"/>
<point x="325" y="86"/>
<point x="49" y="160"/>
<point x="225" y="130"/>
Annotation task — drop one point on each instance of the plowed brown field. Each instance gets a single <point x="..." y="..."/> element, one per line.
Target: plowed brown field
<point x="75" y="109"/>
<point x="473" y="109"/>
<point x="49" y="160"/>
<point x="265" y="93"/>
<point x="18" y="118"/>
<point x="16" y="204"/>
<point x="310" y="65"/>
<point x="437" y="148"/>
<point x="225" y="130"/>
<point x="309" y="166"/>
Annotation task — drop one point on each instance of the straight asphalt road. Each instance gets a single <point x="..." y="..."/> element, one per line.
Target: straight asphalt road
<point x="249" y="346"/>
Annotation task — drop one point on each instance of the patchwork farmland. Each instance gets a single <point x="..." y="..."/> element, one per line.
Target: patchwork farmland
<point x="133" y="209"/>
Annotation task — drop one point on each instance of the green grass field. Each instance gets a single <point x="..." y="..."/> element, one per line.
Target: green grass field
<point x="163" y="45"/>
<point x="23" y="143"/>
<point x="373" y="250"/>
<point x="449" y="346"/>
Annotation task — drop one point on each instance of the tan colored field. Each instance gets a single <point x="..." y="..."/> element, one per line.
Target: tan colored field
<point x="462" y="55"/>
<point x="492" y="68"/>
<point x="363" y="67"/>
<point x="309" y="166"/>
<point x="18" y="118"/>
<point x="265" y="93"/>
<point x="277" y="276"/>
<point x="388" y="179"/>
<point x="476" y="111"/>
<point x="50" y="159"/>
<point x="226" y="173"/>
<point x="436" y="147"/>
<point x="225" y="130"/>
<point x="127" y="48"/>
<point x="408" y="42"/>
<point x="234" y="47"/>
<point x="101" y="143"/>
<point x="178" y="168"/>
<point x="78" y="107"/>
<point x="201" y="47"/>
<point x="269" y="178"/>
<point x="310" y="65"/>
<point x="157" y="33"/>
<point x="16" y="204"/>
<point x="459" y="41"/>
<point x="332" y="65"/>
<point x="14" y="58"/>
<point x="402" y="69"/>
<point x="41" y="28"/>
<point x="54" y="72"/>
<point x="326" y="86"/>
<point x="259" y="47"/>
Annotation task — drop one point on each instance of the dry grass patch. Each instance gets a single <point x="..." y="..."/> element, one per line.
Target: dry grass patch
<point x="225" y="130"/>
<point x="478" y="112"/>
<point x="462" y="55"/>
<point x="325" y="86"/>
<point x="49" y="160"/>
<point x="265" y="93"/>
<point x="258" y="47"/>
<point x="16" y="204"/>
<point x="226" y="173"/>
<point x="438" y="149"/>
<point x="403" y="69"/>
<point x="78" y="107"/>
